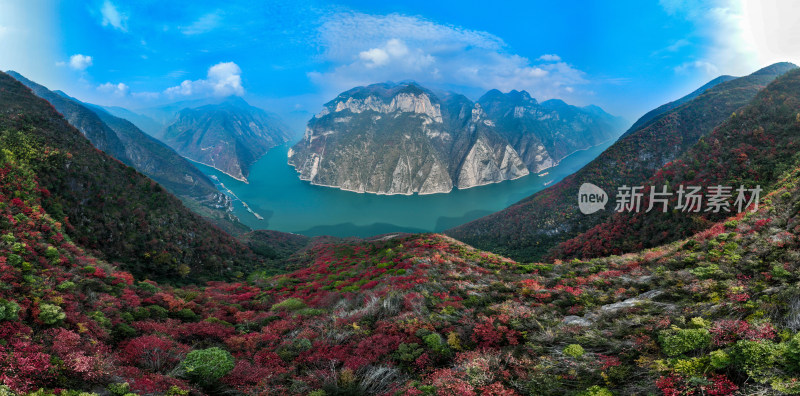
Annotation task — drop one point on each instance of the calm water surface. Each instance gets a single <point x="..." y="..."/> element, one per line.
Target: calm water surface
<point x="289" y="204"/>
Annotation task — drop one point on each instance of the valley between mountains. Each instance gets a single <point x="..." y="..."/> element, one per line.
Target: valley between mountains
<point x="123" y="270"/>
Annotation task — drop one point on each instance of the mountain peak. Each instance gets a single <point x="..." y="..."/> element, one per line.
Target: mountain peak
<point x="555" y="104"/>
<point x="775" y="69"/>
<point x="246" y="133"/>
<point x="514" y="97"/>
<point x="237" y="101"/>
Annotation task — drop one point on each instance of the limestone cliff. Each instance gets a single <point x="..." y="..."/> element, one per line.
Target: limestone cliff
<point x="393" y="139"/>
<point x="544" y="133"/>
<point x="404" y="139"/>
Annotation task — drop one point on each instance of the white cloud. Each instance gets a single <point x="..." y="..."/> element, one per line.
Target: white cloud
<point x="205" y="23"/>
<point x="223" y="79"/>
<point x="674" y="47"/>
<point x="79" y="62"/>
<point x="395" y="52"/>
<point x="550" y="58"/>
<point x="706" y="67"/>
<point x="740" y="35"/>
<point x="113" y="17"/>
<point x="118" y="90"/>
<point x="373" y="48"/>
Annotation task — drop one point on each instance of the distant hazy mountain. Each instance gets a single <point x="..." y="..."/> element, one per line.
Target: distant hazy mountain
<point x="403" y="139"/>
<point x="229" y="136"/>
<point x="143" y="122"/>
<point x="124" y="141"/>
<point x="165" y="114"/>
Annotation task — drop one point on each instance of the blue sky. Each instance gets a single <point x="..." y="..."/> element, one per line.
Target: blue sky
<point x="625" y="56"/>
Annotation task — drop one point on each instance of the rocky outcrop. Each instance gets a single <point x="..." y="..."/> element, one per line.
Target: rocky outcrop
<point x="376" y="145"/>
<point x="544" y="133"/>
<point x="404" y="139"/>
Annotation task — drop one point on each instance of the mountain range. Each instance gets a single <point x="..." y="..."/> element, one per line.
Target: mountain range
<point x="404" y="139"/>
<point x="712" y="312"/>
<point x="110" y="208"/>
<point x="531" y="228"/>
<point x="125" y="142"/>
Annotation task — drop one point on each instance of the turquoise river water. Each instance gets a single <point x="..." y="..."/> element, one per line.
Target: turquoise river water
<point x="286" y="203"/>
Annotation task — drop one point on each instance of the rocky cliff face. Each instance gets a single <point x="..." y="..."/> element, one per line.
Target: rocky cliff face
<point x="544" y="133"/>
<point x="230" y="136"/>
<point x="404" y="139"/>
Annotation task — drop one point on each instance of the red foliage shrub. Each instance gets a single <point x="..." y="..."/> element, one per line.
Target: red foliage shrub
<point x="148" y="383"/>
<point x="23" y="366"/>
<point x="728" y="331"/>
<point x="496" y="389"/>
<point x="450" y="382"/>
<point x="267" y="365"/>
<point x="153" y="353"/>
<point x="488" y="335"/>
<point x="205" y="330"/>
<point x="675" y="385"/>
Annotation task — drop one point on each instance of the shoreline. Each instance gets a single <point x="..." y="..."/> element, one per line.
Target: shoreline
<point x="453" y="188"/>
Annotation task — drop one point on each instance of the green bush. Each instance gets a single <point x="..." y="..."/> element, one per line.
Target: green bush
<point x="51" y="314"/>
<point x="720" y="359"/>
<point x="706" y="272"/>
<point x="100" y="318"/>
<point x="596" y="390"/>
<point x="174" y="390"/>
<point x="792" y="352"/>
<point x="205" y="366"/>
<point x="759" y="359"/>
<point x="302" y="344"/>
<point x="289" y="304"/>
<point x="147" y="287"/>
<point x="435" y="342"/>
<point x="699" y="323"/>
<point x="186" y="315"/>
<point x="693" y="367"/>
<point x="51" y="253"/>
<point x="311" y="312"/>
<point x="141" y="313"/>
<point x="14" y="260"/>
<point x="779" y="272"/>
<point x="786" y="386"/>
<point x="8" y="310"/>
<point x="122" y="331"/>
<point x="408" y="352"/>
<point x="120" y="389"/>
<point x="157" y="311"/>
<point x="675" y="342"/>
<point x="574" y="350"/>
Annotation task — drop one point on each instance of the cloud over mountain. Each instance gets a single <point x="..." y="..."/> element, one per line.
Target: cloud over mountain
<point x="223" y="79"/>
<point x="367" y="48"/>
